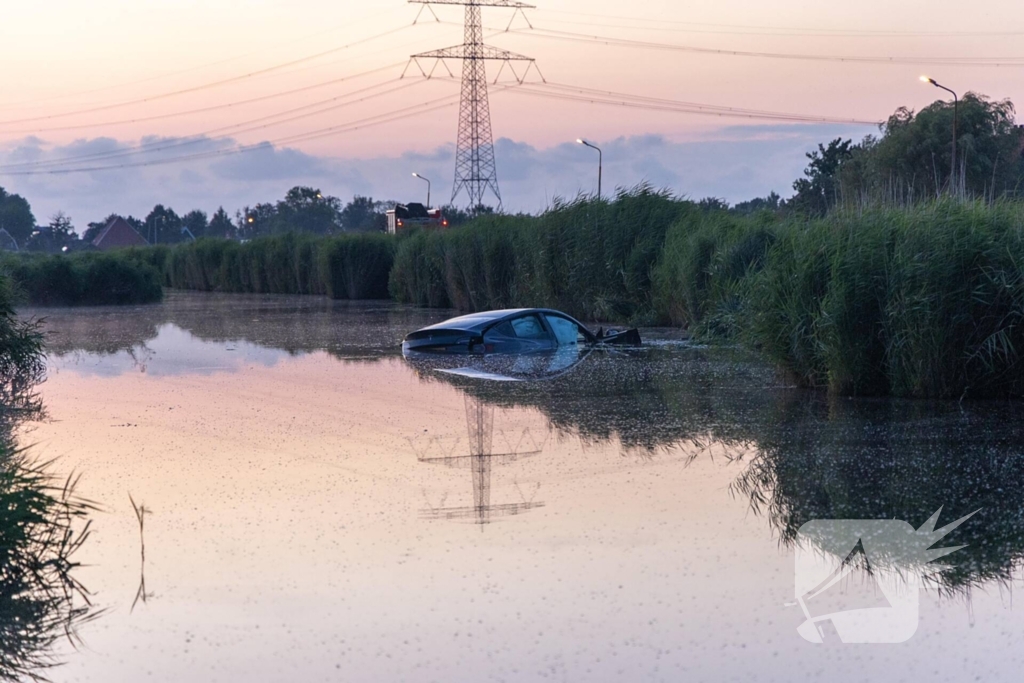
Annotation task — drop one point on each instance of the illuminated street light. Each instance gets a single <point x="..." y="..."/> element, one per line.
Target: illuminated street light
<point x="600" y="163"/>
<point x="956" y="106"/>
<point x="417" y="175"/>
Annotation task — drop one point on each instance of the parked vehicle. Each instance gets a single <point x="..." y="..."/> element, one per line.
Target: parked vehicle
<point x="520" y="331"/>
<point x="405" y="216"/>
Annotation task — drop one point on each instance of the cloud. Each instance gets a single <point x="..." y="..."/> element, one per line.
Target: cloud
<point x="734" y="162"/>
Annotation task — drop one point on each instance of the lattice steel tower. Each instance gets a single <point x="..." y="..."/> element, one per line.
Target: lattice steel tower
<point x="475" y="167"/>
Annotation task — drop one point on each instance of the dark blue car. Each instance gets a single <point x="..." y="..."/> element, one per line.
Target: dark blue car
<point x="521" y="330"/>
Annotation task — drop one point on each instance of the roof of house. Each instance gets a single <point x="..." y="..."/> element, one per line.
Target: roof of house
<point x="118" y="233"/>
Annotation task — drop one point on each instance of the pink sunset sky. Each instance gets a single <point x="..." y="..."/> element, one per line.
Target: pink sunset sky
<point x="90" y="82"/>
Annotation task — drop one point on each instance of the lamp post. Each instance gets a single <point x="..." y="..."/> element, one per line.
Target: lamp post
<point x="600" y="163"/>
<point x="417" y="175"/>
<point x="154" y="231"/>
<point x="956" y="106"/>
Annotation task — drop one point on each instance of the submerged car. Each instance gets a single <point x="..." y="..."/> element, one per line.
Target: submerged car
<point x="521" y="330"/>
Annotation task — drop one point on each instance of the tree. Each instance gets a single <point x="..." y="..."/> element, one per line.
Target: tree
<point x="363" y="214"/>
<point x="820" y="190"/>
<point x="308" y="210"/>
<point x="773" y="202"/>
<point x="220" y="225"/>
<point x="913" y="159"/>
<point x="255" y="221"/>
<point x="710" y="204"/>
<point x="164" y="225"/>
<point x="195" y="222"/>
<point x="457" y="216"/>
<point x="59" y="234"/>
<point x="16" y="216"/>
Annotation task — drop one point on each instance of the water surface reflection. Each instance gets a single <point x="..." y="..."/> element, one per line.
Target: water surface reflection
<point x="43" y="525"/>
<point x="304" y="471"/>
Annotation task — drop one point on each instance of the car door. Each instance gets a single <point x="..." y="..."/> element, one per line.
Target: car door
<point x="525" y="333"/>
<point x="566" y="332"/>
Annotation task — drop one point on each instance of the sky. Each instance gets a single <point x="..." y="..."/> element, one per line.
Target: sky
<point x="313" y="92"/>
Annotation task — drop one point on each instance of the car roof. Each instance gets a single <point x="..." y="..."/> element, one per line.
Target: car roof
<point x="475" y="320"/>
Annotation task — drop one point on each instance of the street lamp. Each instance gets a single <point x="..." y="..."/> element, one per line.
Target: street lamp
<point x="154" y="232"/>
<point x="956" y="106"/>
<point x="600" y="163"/>
<point x="417" y="175"/>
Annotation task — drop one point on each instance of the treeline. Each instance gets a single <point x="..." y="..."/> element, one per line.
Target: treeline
<point x="913" y="159"/>
<point x="303" y="210"/>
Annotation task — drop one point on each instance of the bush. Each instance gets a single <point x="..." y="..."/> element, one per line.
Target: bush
<point x="85" y="279"/>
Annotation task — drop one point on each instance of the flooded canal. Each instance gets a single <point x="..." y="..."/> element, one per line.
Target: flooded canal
<point x="315" y="508"/>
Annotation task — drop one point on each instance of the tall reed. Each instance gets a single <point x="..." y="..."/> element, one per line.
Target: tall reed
<point x="343" y="267"/>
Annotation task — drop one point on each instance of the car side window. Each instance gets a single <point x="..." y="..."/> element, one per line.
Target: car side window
<point x="502" y="330"/>
<point x="529" y="327"/>
<point x="567" y="333"/>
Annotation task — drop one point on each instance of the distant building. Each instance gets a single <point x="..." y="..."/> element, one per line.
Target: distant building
<point x="405" y="216"/>
<point x="118" y="234"/>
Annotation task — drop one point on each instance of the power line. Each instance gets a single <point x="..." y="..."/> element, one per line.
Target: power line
<point x="203" y="110"/>
<point x="205" y="86"/>
<point x="378" y="119"/>
<point x="790" y="30"/>
<point x="625" y="42"/>
<point x="206" y="136"/>
<point x="149" y="79"/>
<point x="591" y="96"/>
<point x="727" y="29"/>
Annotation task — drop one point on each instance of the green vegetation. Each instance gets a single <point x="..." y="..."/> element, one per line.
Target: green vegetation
<point x="42" y="522"/>
<point x="924" y="300"/>
<point x="912" y="160"/>
<point x="342" y="267"/>
<point x="84" y="279"/>
<point x="590" y="258"/>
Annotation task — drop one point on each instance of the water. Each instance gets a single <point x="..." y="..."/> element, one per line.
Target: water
<point x="318" y="509"/>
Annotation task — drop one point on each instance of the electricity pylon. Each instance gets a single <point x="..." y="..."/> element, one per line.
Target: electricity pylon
<point x="475" y="167"/>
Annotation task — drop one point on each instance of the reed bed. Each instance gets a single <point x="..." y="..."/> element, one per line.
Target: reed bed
<point x="925" y="301"/>
<point x="85" y="279"/>
<point x="591" y="258"/>
<point x="342" y="267"/>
